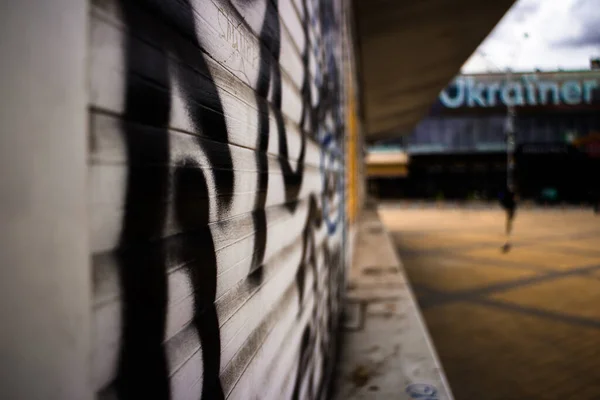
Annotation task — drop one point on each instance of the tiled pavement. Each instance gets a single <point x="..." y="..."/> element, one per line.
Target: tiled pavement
<point x="521" y="325"/>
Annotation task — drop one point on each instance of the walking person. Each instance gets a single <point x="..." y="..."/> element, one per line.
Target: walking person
<point x="509" y="203"/>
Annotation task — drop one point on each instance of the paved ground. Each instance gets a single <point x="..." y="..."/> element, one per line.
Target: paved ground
<point x="522" y="325"/>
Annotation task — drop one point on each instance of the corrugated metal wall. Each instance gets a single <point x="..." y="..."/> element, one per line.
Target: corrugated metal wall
<point x="217" y="196"/>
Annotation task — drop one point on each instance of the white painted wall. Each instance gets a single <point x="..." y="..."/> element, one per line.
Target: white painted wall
<point x="45" y="278"/>
<point x="83" y="240"/>
<point x="273" y="256"/>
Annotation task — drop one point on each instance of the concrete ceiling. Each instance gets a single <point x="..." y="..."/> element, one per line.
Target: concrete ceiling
<point x="410" y="50"/>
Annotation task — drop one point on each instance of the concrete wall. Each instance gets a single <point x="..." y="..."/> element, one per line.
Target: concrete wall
<point x="217" y="156"/>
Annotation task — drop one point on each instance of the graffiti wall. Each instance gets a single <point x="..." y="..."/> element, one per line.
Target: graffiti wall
<point x="217" y="176"/>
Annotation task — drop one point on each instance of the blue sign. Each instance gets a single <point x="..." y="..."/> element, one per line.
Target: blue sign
<point x="528" y="90"/>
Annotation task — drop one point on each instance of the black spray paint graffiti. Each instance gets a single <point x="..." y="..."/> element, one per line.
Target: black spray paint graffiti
<point x="142" y="366"/>
<point x="143" y="253"/>
<point x="313" y="118"/>
<point x="319" y="336"/>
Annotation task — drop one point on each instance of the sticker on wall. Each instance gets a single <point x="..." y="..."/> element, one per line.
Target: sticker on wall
<point x="422" y="391"/>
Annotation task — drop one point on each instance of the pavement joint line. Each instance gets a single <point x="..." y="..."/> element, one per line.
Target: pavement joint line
<point x="386" y="204"/>
<point x="524" y="242"/>
<point x="503" y="263"/>
<point x="538" y="312"/>
<point x="447" y="250"/>
<point x="443" y="297"/>
<point x="519" y="244"/>
<point x="545" y="241"/>
<point x="509" y="306"/>
<point x="457" y="252"/>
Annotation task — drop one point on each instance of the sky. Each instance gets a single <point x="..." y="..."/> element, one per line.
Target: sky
<point x="561" y="34"/>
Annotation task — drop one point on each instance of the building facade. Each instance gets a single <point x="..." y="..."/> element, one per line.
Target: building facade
<point x="459" y="149"/>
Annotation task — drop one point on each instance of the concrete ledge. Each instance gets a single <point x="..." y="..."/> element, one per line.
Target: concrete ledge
<point x="386" y="351"/>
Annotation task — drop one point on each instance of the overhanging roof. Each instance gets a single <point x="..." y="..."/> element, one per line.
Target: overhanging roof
<point x="410" y="50"/>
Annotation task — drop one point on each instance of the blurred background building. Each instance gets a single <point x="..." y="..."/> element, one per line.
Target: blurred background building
<point x="459" y="150"/>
